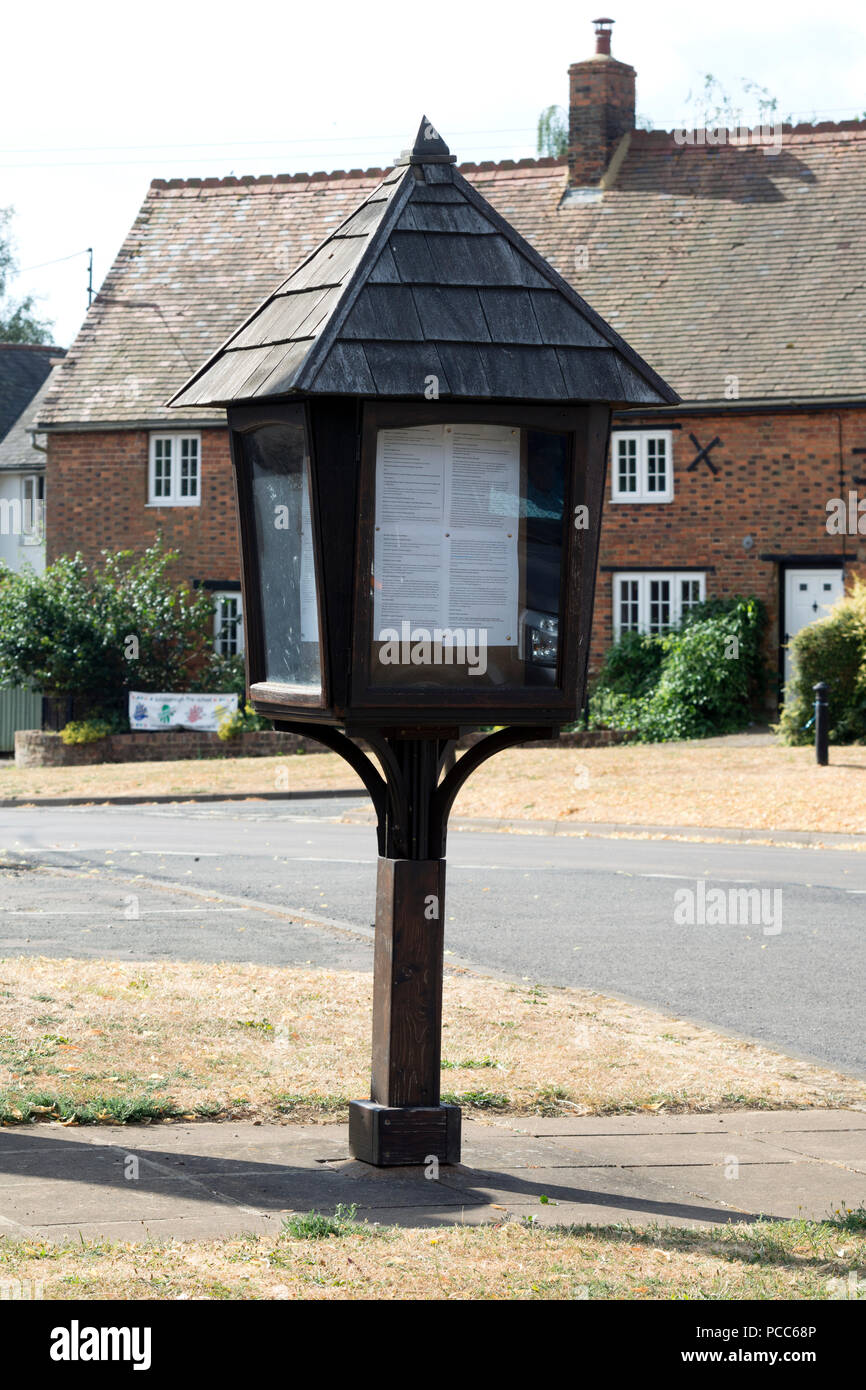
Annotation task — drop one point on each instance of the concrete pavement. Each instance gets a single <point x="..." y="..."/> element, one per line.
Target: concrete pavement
<point x="208" y="1180"/>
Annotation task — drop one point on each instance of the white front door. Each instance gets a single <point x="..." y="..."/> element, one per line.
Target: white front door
<point x="808" y="595"/>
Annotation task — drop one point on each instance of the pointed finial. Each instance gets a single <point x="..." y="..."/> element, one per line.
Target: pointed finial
<point x="429" y="147"/>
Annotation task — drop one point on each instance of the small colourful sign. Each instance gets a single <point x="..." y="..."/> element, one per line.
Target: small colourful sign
<point x="166" y="711"/>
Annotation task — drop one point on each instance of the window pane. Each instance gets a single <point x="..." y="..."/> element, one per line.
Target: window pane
<point x="280" y="477"/>
<point x="189" y="467"/>
<point x="629" y="605"/>
<point x="32" y="509"/>
<point x="656" y="464"/>
<point x="162" y="467"/>
<point x="627" y="465"/>
<point x="467" y="556"/>
<point x="659" y="604"/>
<point x="690" y="594"/>
<point x="228" y="625"/>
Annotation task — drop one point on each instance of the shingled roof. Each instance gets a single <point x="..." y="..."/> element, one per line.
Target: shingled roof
<point x="711" y="261"/>
<point x="23" y="368"/>
<point x="425" y="278"/>
<point x="17" y="449"/>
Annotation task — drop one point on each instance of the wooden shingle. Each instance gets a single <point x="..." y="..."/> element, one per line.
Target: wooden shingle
<point x="425" y="280"/>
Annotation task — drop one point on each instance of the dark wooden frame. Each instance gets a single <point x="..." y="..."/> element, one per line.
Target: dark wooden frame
<point x="243" y="421"/>
<point x="341" y="440"/>
<point x="534" y="704"/>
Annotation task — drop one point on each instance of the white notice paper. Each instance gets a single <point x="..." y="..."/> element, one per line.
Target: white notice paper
<point x="446" y="540"/>
<point x="309" y="609"/>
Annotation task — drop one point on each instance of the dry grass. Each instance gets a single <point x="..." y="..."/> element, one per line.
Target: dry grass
<point x="724" y="784"/>
<point x="788" y="1260"/>
<point x="720" y="784"/>
<point x="105" y="1040"/>
<point x="188" y="777"/>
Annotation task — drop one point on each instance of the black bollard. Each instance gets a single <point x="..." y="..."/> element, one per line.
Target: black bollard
<point x="822" y="724"/>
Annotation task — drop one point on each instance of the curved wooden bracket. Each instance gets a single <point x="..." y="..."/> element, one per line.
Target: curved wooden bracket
<point x="443" y="797"/>
<point x="411" y="810"/>
<point x="369" y="774"/>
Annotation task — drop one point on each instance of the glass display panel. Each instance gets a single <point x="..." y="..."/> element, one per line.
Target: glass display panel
<point x="283" y="537"/>
<point x="469" y="524"/>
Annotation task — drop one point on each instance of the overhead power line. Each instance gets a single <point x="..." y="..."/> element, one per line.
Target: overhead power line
<point x="231" y="144"/>
<point x="42" y="264"/>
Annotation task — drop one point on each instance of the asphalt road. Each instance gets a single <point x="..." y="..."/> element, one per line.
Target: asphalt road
<point x="286" y="883"/>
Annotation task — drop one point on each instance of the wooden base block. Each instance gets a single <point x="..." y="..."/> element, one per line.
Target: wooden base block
<point x="390" y="1136"/>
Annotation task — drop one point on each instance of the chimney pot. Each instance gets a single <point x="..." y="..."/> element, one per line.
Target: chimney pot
<point x="602" y="36"/>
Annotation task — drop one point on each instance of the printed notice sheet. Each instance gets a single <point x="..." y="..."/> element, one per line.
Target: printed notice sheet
<point x="447" y="515"/>
<point x="309" y="610"/>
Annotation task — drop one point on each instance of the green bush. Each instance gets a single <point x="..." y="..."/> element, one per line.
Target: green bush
<point x="833" y="649"/>
<point x="224" y="675"/>
<point x="86" y="730"/>
<point x="701" y="679"/>
<point x="632" y="665"/>
<point x="97" y="632"/>
<point x="244" y="720"/>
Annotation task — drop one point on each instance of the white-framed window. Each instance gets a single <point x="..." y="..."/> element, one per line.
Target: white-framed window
<point x="654" y="600"/>
<point x="33" y="509"/>
<point x="174" y="473"/>
<point x="642" y="466"/>
<point x="228" y="623"/>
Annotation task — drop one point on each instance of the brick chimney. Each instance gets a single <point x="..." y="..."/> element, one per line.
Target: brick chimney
<point x="600" y="109"/>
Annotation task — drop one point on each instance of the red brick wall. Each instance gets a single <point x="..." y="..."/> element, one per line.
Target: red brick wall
<point x="97" y="485"/>
<point x="600" y="111"/>
<point x="776" y="473"/>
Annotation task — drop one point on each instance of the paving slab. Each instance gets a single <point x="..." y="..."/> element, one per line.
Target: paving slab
<point x="805" y="1189"/>
<point x="191" y="1181"/>
<point x="797" y="1121"/>
<point x="844" y="1147"/>
<point x="736" y="1121"/>
<point x="668" y="1150"/>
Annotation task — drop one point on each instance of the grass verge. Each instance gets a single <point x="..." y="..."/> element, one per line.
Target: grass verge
<point x="724" y="783"/>
<point x="89" y="1042"/>
<point x="318" y="1256"/>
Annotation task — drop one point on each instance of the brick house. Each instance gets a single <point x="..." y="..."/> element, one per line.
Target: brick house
<point x="734" y="265"/>
<point x="24" y="372"/>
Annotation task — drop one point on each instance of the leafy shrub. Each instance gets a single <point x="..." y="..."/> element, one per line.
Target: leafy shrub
<point x="86" y="730"/>
<point x="632" y="665"/>
<point x="225" y="674"/>
<point x="243" y="720"/>
<point x="833" y="649"/>
<point x="710" y="672"/>
<point x="100" y="631"/>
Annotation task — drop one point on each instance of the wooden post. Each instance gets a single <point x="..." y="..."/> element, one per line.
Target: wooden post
<point x="403" y="1122"/>
<point x="822" y="724"/>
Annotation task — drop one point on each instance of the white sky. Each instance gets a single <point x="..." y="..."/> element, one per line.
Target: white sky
<point x="98" y="98"/>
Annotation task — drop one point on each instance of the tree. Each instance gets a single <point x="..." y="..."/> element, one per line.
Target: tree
<point x="552" y="137"/>
<point x="18" y="321"/>
<point x="713" y="106"/>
